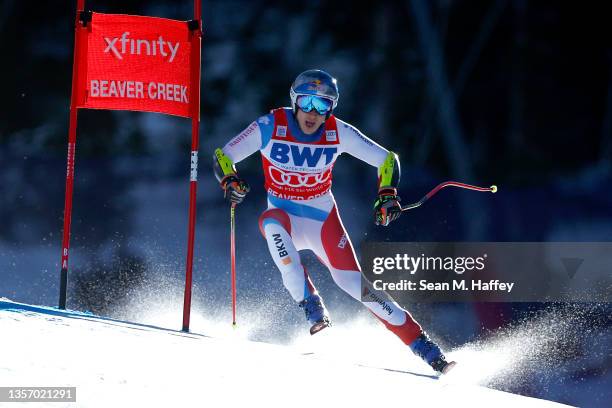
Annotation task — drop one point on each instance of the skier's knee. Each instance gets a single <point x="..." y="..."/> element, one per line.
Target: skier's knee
<point x="348" y="281"/>
<point x="276" y="216"/>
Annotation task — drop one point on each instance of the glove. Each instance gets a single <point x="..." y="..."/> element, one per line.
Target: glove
<point x="387" y="207"/>
<point x="235" y="188"/>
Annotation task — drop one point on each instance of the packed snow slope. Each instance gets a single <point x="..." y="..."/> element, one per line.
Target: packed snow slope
<point x="119" y="364"/>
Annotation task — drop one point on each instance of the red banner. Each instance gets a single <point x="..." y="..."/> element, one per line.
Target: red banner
<point x="136" y="63"/>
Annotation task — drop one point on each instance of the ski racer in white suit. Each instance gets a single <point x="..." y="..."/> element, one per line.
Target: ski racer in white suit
<point x="299" y="146"/>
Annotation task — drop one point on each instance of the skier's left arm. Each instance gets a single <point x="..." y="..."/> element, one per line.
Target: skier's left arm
<point x="386" y="207"/>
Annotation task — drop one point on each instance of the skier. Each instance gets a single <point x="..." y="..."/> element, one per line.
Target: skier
<point x="299" y="146"/>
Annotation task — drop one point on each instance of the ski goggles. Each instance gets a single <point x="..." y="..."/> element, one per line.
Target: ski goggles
<point x="310" y="102"/>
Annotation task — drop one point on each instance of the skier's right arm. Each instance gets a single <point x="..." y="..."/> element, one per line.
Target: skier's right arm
<point x="234" y="187"/>
<point x="241" y="146"/>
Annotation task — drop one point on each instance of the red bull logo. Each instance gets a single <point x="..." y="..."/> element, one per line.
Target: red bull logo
<point x="315" y="85"/>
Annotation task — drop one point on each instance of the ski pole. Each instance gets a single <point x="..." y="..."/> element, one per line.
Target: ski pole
<point x="492" y="189"/>
<point x="233" y="259"/>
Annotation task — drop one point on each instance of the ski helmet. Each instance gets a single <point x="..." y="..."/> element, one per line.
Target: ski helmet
<point x="314" y="82"/>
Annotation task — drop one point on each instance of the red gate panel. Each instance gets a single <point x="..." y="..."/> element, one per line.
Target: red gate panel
<point x="136" y="63"/>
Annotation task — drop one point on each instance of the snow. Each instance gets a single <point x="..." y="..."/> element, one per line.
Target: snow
<point x="115" y="363"/>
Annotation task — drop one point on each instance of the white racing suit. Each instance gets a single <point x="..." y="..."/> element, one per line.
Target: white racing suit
<point x="302" y="212"/>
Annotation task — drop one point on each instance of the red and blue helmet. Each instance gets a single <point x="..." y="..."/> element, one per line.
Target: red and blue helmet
<point x="314" y="89"/>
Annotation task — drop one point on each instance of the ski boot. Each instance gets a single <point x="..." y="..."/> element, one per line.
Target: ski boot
<point x="429" y="351"/>
<point x="316" y="313"/>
